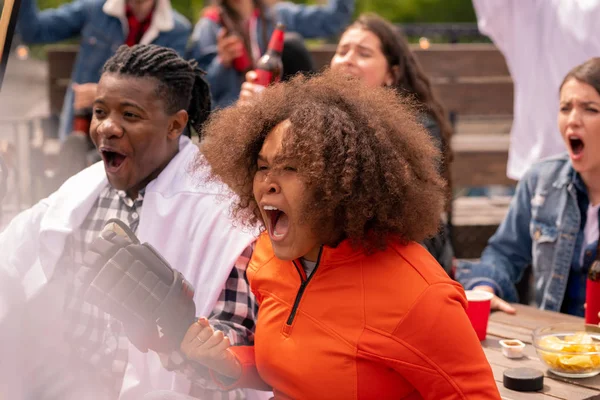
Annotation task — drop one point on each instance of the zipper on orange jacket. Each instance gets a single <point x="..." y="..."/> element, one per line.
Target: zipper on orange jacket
<point x="304" y="283"/>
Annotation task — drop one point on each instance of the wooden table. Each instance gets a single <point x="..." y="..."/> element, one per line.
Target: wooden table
<point x="520" y="326"/>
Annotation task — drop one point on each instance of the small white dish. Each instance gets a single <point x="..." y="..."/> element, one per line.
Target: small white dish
<point x="512" y="348"/>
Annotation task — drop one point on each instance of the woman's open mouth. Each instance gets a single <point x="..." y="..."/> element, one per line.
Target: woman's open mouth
<point x="576" y="145"/>
<point x="113" y="160"/>
<point x="277" y="223"/>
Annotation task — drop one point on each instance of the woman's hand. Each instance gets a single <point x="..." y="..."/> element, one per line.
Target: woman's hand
<point x="497" y="302"/>
<point x="228" y="47"/>
<point x="250" y="90"/>
<point x="210" y="348"/>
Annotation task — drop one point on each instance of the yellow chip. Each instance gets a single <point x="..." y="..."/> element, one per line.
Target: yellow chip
<point x="576" y="363"/>
<point x="579" y="342"/>
<point x="551" y="343"/>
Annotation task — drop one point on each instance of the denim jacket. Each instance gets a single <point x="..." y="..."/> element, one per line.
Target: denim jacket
<point x="540" y="229"/>
<point x="308" y="21"/>
<point x="103" y="27"/>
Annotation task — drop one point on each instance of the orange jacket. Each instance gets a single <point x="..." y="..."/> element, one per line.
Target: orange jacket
<point x="391" y="325"/>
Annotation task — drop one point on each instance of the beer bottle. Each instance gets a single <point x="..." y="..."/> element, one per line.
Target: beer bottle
<point x="592" y="291"/>
<point x="269" y="69"/>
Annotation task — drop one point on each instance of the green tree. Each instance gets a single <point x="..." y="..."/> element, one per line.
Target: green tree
<point x="414" y="11"/>
<point x="400" y="11"/>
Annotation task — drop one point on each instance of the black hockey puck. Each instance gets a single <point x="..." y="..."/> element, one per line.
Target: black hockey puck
<point x="523" y="379"/>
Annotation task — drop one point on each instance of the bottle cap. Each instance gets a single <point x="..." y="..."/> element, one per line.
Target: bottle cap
<point x="523" y="379"/>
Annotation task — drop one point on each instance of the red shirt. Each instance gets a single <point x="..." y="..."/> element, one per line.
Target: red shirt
<point x="136" y="28"/>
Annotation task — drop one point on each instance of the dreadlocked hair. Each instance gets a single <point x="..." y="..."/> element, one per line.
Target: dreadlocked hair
<point x="411" y="80"/>
<point x="181" y="83"/>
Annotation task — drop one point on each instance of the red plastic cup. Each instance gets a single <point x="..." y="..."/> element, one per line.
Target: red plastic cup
<point x="478" y="310"/>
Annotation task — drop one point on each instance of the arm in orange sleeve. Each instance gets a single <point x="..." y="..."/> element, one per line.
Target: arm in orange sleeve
<point x="436" y="349"/>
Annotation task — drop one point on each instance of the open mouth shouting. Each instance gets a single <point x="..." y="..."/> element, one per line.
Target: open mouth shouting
<point x="113" y="159"/>
<point x="576" y="146"/>
<point x="277" y="222"/>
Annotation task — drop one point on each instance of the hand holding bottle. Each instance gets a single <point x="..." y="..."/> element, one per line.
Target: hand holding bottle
<point x="250" y="89"/>
<point x="229" y="47"/>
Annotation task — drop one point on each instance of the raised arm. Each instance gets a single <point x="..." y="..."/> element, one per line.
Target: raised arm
<point x="53" y="25"/>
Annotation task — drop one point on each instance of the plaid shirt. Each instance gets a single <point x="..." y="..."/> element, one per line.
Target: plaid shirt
<point x="99" y="339"/>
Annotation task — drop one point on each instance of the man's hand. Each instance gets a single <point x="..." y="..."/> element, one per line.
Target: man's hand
<point x="497" y="302"/>
<point x="84" y="95"/>
<point x="137" y="286"/>
<point x="211" y="349"/>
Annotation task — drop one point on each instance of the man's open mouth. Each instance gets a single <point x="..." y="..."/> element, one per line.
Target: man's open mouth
<point x="112" y="159"/>
<point x="277" y="222"/>
<point x="576" y="144"/>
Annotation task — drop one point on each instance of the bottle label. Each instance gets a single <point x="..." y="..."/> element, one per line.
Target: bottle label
<point x="265" y="78"/>
<point x="592" y="299"/>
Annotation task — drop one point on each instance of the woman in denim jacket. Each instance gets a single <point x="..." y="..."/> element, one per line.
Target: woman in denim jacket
<point x="103" y="26"/>
<point x="215" y="49"/>
<point x="552" y="223"/>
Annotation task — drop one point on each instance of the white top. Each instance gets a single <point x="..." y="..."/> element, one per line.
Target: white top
<point x="541" y="41"/>
<point x="308" y="266"/>
<point x="591" y="229"/>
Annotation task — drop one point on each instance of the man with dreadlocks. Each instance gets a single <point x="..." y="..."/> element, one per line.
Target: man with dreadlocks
<point x="102" y="25"/>
<point x="146" y="97"/>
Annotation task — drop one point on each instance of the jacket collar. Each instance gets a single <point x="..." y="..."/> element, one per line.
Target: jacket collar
<point x="566" y="175"/>
<point x="340" y="254"/>
<point x="329" y="256"/>
<point x="73" y="201"/>
<point x="163" y="18"/>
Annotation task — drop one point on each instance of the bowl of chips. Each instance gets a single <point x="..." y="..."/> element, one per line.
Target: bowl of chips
<point x="571" y="350"/>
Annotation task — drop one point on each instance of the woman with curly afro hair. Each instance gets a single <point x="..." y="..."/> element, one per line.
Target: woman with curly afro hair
<point x="376" y="52"/>
<point x="344" y="182"/>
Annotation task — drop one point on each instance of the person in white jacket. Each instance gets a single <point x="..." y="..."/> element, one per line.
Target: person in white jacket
<point x="541" y="41"/>
<point x="146" y="99"/>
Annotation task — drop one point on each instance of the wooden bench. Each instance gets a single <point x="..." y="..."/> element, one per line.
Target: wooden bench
<point x="474" y="85"/>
